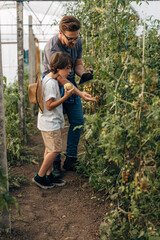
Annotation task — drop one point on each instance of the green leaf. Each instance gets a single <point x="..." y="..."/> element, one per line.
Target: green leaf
<point x="134" y="232"/>
<point x="89" y="133"/>
<point x="141" y="233"/>
<point x="114" y="196"/>
<point x="77" y="127"/>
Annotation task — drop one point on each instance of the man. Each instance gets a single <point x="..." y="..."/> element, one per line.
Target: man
<point x="68" y="41"/>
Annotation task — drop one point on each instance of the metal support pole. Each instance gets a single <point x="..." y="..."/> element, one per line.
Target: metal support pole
<point x="31" y="72"/>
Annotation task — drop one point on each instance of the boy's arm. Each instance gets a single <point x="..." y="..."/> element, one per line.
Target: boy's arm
<point x="51" y="103"/>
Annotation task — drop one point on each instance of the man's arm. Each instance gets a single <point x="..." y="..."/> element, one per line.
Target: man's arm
<point x="79" y="68"/>
<point x="84" y="95"/>
<point x="80" y="71"/>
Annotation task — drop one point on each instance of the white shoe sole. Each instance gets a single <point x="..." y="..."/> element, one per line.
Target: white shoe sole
<point x="60" y="184"/>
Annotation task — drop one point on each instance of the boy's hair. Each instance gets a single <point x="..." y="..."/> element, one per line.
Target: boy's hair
<point x="69" y="23"/>
<point x="59" y="60"/>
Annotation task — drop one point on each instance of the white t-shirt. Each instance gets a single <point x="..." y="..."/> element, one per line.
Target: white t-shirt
<point x="54" y="119"/>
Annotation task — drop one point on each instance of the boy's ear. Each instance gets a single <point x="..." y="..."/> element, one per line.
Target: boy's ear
<point x="60" y="32"/>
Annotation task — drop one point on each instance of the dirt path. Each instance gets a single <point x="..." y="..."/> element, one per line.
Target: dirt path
<point x="70" y="212"/>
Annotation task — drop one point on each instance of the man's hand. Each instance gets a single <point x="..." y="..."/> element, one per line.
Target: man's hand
<point x="88" y="97"/>
<point x="86" y="77"/>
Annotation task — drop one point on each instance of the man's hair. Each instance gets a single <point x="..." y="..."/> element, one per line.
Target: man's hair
<point x="69" y="23"/>
<point x="59" y="60"/>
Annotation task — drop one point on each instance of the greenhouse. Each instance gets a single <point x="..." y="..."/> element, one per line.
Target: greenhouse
<point x="80" y="120"/>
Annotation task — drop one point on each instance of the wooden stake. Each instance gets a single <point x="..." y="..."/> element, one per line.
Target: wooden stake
<point x="20" y="55"/>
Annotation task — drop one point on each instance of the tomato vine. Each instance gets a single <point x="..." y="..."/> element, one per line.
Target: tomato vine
<point x="121" y="133"/>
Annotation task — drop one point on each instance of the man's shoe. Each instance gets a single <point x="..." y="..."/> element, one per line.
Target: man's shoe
<point x="56" y="181"/>
<point x="57" y="169"/>
<point x="42" y="182"/>
<point x="70" y="163"/>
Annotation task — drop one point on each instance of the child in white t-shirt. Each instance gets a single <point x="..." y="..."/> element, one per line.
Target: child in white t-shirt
<point x="51" y="121"/>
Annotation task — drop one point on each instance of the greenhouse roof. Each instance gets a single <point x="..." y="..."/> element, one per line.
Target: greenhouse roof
<point x="45" y="19"/>
<point x="47" y="14"/>
<point x="146" y="10"/>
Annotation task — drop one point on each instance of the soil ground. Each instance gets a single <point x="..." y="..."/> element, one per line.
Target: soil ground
<point x="71" y="212"/>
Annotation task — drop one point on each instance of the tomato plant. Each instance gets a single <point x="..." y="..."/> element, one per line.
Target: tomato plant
<point x="121" y="132"/>
<point x="13" y="134"/>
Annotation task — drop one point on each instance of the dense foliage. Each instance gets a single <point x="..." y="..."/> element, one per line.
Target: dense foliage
<point x="122" y="131"/>
<point x="14" y="139"/>
<point x="6" y="200"/>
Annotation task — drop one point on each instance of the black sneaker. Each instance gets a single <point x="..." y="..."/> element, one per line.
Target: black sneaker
<point x="57" y="169"/>
<point x="56" y="181"/>
<point x="42" y="182"/>
<point x="70" y="163"/>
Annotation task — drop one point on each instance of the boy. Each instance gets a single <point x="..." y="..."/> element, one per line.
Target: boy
<point x="51" y="121"/>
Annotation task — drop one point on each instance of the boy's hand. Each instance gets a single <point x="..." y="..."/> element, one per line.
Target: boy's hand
<point x="69" y="92"/>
